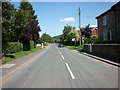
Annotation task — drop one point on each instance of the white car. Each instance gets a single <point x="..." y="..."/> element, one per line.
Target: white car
<point x="38" y="45"/>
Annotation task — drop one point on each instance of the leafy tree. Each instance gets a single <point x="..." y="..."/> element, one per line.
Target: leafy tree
<point x="8" y="16"/>
<point x="31" y="28"/>
<point x="28" y="24"/>
<point x="92" y="39"/>
<point x="86" y="31"/>
<point x="66" y="31"/>
<point x="46" y="38"/>
<point x="21" y="20"/>
<point x="69" y="33"/>
<point x="73" y="34"/>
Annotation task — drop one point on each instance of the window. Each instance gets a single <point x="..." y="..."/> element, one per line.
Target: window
<point x="110" y="34"/>
<point x="104" y="20"/>
<point x="104" y="35"/>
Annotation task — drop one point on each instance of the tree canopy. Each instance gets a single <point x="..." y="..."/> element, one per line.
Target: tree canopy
<point x="86" y="31"/>
<point x="31" y="28"/>
<point x="45" y="38"/>
<point x="69" y="33"/>
<point x="19" y="24"/>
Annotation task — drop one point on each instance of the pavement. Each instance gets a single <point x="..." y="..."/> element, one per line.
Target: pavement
<point x="114" y="62"/>
<point x="60" y="68"/>
<point x="10" y="67"/>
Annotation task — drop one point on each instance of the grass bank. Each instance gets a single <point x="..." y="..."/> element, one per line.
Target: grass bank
<point x="74" y="47"/>
<point x="11" y="57"/>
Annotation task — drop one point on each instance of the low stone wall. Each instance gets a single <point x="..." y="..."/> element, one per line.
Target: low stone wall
<point x="109" y="50"/>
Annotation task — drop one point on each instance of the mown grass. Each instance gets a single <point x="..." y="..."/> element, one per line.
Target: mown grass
<point x="74" y="47"/>
<point x="11" y="57"/>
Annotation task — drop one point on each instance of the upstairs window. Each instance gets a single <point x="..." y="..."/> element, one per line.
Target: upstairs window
<point x="104" y="20"/>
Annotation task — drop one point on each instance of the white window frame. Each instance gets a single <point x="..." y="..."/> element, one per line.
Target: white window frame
<point x="105" y="35"/>
<point x="104" y="20"/>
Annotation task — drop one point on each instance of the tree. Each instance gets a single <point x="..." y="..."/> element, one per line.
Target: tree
<point x="19" y="24"/>
<point x="45" y="38"/>
<point x="31" y="28"/>
<point x="28" y="24"/>
<point x="86" y="31"/>
<point x="74" y="34"/>
<point x="69" y="33"/>
<point x="8" y="16"/>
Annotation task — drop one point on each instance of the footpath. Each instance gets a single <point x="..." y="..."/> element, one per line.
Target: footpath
<point x="112" y="62"/>
<point x="11" y="67"/>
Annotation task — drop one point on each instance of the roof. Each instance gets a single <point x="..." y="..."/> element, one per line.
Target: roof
<point x="108" y="10"/>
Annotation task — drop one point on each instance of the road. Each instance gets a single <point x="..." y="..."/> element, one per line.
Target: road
<point x="63" y="68"/>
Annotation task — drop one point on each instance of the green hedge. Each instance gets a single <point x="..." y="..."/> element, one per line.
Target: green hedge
<point x="32" y="44"/>
<point x="108" y="42"/>
<point x="13" y="47"/>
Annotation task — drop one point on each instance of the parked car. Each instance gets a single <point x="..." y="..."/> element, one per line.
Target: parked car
<point x="60" y="45"/>
<point x="38" y="45"/>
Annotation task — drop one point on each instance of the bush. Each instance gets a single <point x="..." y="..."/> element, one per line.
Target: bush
<point x="108" y="42"/>
<point x="32" y="44"/>
<point x="92" y="39"/>
<point x="13" y="47"/>
<point x="75" y="47"/>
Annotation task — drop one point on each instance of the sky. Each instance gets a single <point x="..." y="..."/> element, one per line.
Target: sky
<point x="53" y="16"/>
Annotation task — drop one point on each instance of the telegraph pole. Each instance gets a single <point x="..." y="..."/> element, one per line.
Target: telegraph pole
<point x="79" y="26"/>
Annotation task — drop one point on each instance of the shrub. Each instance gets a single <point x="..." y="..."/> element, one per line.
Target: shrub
<point x="32" y="44"/>
<point x="108" y="42"/>
<point x="13" y="47"/>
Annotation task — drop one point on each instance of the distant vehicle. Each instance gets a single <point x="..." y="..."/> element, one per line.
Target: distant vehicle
<point x="60" y="45"/>
<point x="38" y="45"/>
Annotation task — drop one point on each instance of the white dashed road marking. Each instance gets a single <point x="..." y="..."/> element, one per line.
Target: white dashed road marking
<point x="60" y="53"/>
<point x="63" y="57"/>
<point x="72" y="75"/>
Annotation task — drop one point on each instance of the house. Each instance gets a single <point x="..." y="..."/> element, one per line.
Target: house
<point x="94" y="31"/>
<point x="109" y="23"/>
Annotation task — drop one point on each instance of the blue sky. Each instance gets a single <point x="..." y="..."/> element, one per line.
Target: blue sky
<point x="53" y="16"/>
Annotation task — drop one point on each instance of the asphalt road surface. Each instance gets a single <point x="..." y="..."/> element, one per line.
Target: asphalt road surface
<point x="63" y="68"/>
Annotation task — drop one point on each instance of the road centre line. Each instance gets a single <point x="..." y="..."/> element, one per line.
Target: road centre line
<point x="72" y="75"/>
<point x="63" y="57"/>
<point x="60" y="53"/>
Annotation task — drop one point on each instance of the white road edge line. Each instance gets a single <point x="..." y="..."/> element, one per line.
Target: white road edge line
<point x="63" y="57"/>
<point x="73" y="77"/>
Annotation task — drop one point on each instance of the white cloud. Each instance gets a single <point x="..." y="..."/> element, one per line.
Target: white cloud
<point x="68" y="19"/>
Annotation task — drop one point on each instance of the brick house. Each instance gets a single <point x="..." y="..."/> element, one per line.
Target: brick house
<point x="94" y="31"/>
<point x="109" y="23"/>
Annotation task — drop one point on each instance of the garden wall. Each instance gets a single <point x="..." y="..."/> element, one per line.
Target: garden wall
<point x="109" y="50"/>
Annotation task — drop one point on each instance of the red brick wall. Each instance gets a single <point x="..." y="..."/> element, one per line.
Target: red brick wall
<point x="95" y="32"/>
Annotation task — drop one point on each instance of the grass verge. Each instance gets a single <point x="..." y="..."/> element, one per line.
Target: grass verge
<point x="11" y="57"/>
<point x="74" y="47"/>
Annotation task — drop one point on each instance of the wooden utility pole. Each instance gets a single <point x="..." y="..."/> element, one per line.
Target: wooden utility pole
<point x="80" y="42"/>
